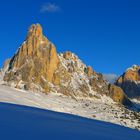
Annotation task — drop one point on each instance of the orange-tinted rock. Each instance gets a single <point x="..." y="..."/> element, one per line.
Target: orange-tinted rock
<point x="129" y="81"/>
<point x="67" y="55"/>
<point x="89" y="71"/>
<point x="37" y="66"/>
<point x="117" y="94"/>
<point x="36" y="60"/>
<point x="132" y="74"/>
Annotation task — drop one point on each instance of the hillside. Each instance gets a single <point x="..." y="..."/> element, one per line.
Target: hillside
<point x="100" y="109"/>
<point x="20" y="122"/>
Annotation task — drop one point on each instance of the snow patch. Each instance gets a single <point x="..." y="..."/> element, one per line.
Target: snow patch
<point x="101" y="109"/>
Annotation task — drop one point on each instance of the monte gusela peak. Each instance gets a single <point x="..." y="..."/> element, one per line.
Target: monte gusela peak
<point x="35" y="61"/>
<point x="38" y="67"/>
<point x="35" y="30"/>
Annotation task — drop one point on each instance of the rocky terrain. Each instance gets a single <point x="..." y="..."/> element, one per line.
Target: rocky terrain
<point x="130" y="82"/>
<point x="37" y="66"/>
<point x="62" y="82"/>
<point x="104" y="109"/>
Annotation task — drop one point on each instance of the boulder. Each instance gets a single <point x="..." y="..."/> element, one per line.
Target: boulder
<point x="67" y="55"/>
<point x="117" y="94"/>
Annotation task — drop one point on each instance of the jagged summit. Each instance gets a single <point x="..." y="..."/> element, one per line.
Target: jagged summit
<point x="38" y="67"/>
<point x="35" y="30"/>
<point x="133" y="68"/>
<point x="36" y="58"/>
<point x="35" y="40"/>
<point x="129" y="81"/>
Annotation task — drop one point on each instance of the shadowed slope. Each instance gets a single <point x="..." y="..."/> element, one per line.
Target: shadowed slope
<point x="20" y="122"/>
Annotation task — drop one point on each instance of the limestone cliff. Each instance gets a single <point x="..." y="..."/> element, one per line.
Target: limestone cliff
<point x="118" y="95"/>
<point x="34" y="63"/>
<point x="130" y="81"/>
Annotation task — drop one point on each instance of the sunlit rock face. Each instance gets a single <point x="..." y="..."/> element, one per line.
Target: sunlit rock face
<point x="130" y="81"/>
<point x="37" y="66"/>
<point x="35" y="61"/>
<point x="118" y="95"/>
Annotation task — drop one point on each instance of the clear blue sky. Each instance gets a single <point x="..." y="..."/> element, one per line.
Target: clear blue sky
<point x="103" y="33"/>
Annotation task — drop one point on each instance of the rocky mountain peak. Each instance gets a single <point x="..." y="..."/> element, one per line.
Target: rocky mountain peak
<point x="35" y="30"/>
<point x="37" y="66"/>
<point x="129" y="81"/>
<point x="35" y="61"/>
<point x="133" y="73"/>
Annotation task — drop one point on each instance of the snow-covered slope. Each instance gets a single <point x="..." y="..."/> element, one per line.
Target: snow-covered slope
<point x="1" y="77"/>
<point x="20" y="123"/>
<point x="101" y="109"/>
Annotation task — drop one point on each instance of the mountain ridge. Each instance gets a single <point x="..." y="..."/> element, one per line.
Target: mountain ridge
<point x="37" y="66"/>
<point x="129" y="81"/>
<point x="69" y="85"/>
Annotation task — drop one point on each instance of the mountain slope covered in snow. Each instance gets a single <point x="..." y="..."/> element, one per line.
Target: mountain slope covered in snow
<point x="100" y="109"/>
<point x="20" y="122"/>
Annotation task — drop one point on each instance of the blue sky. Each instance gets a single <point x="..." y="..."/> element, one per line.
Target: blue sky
<point x="103" y="33"/>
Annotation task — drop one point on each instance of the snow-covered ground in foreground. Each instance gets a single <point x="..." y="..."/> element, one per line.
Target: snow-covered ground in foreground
<point x="101" y="109"/>
<point x="136" y="101"/>
<point x="27" y="123"/>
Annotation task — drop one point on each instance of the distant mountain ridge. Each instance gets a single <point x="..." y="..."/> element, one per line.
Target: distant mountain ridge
<point x="37" y="66"/>
<point x="129" y="81"/>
